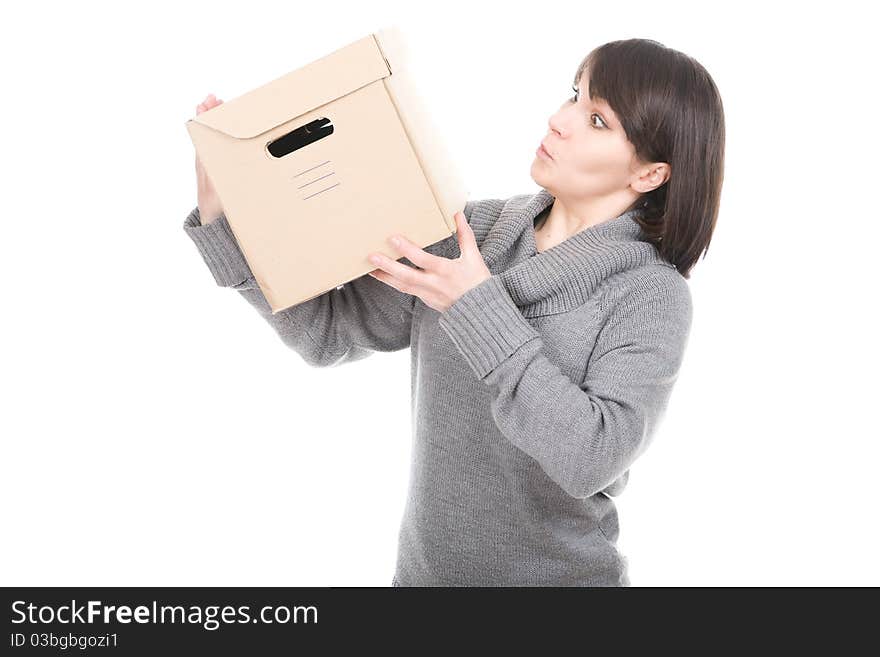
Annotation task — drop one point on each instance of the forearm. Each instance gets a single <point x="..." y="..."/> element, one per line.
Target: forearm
<point x="339" y="326"/>
<point x="585" y="434"/>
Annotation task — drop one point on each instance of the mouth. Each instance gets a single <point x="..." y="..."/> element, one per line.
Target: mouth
<point x="542" y="150"/>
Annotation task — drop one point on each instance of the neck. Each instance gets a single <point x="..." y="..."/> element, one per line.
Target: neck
<point x="564" y="218"/>
<point x="565" y="275"/>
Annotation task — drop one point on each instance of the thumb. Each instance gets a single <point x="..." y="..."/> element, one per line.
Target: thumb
<point x="467" y="243"/>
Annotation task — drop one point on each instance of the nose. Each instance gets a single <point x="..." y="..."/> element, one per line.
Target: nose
<point x="555" y="125"/>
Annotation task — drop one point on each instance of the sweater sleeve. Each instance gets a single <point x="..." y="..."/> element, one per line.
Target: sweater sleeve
<point x="584" y="435"/>
<point x="342" y="325"/>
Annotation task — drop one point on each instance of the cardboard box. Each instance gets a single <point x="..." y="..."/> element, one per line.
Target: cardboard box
<point x="318" y="167"/>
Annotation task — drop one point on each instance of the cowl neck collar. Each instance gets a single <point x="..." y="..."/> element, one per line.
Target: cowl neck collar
<point x="567" y="274"/>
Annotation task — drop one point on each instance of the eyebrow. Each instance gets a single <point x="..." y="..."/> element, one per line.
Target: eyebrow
<point x="598" y="104"/>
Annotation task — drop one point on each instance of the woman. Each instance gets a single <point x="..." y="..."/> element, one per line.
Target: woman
<point x="545" y="335"/>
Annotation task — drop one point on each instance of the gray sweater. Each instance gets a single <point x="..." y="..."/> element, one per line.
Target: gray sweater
<point x="532" y="395"/>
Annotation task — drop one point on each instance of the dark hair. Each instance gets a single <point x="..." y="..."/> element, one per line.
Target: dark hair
<point x="671" y="111"/>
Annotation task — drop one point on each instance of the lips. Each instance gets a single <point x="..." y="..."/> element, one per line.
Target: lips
<point x="546" y="150"/>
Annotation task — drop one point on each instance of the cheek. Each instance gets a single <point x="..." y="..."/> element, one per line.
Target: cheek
<point x="601" y="155"/>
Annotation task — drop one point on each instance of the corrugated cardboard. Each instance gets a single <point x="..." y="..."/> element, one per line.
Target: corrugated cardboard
<point x="318" y="167"/>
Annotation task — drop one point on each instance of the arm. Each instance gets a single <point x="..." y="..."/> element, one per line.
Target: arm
<point x="585" y="436"/>
<point x="340" y="326"/>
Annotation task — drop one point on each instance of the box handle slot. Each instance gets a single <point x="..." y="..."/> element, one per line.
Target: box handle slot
<point x="301" y="137"/>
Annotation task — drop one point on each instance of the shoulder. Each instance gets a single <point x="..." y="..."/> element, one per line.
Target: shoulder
<point x="481" y="215"/>
<point x="485" y="210"/>
<point x="655" y="292"/>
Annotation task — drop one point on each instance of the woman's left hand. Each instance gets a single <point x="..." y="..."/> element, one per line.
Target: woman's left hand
<point x="437" y="281"/>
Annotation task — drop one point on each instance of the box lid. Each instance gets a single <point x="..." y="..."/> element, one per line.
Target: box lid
<point x="298" y="92"/>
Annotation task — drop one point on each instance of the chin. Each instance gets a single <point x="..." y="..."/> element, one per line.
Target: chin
<point x="543" y="177"/>
<point x="538" y="175"/>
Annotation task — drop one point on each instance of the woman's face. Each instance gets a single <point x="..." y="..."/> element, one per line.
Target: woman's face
<point x="591" y="156"/>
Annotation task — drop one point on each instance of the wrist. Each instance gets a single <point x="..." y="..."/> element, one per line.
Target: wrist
<point x="207" y="214"/>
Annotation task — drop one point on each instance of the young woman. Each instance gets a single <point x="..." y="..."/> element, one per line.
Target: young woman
<point x="546" y="334"/>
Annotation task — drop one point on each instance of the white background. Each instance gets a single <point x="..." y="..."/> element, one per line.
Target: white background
<point x="155" y="431"/>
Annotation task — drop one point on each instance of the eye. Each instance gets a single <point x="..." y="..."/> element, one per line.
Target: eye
<point x="574" y="99"/>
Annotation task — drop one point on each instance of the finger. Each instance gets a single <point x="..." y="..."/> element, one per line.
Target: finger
<point x="209" y="103"/>
<point x="386" y="278"/>
<point x="416" y="255"/>
<point x="403" y="273"/>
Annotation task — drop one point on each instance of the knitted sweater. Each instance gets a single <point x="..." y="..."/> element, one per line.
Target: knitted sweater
<point x="532" y="394"/>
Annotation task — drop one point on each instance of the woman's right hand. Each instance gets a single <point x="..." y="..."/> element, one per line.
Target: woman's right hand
<point x="210" y="207"/>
